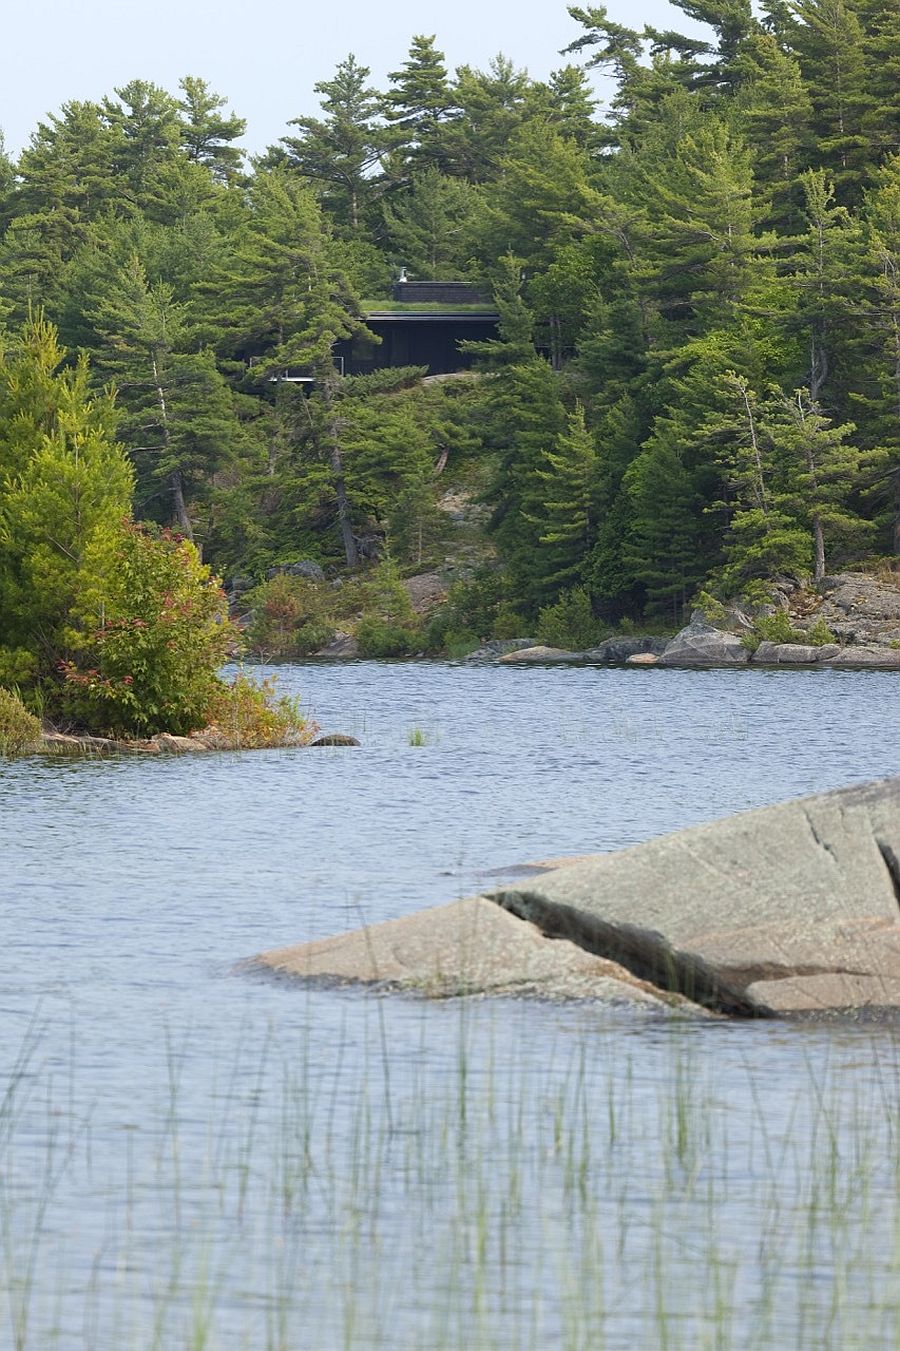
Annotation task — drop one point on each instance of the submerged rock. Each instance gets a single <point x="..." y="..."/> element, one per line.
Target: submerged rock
<point x="791" y="909"/>
<point x="469" y="947"/>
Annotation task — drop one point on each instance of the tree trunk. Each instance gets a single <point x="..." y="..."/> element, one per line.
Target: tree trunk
<point x="819" y="537"/>
<point x="328" y="376"/>
<point x="184" y="521"/>
<point x="175" y="480"/>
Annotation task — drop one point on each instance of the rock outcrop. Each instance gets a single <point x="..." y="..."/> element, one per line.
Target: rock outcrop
<point x="701" y="644"/>
<point x="469" y="947"/>
<point x="793" y="909"/>
<point x="860" y="608"/>
<point x="539" y="655"/>
<point x="795" y="654"/>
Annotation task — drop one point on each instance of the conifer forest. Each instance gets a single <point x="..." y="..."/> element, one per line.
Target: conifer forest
<point x="693" y="385"/>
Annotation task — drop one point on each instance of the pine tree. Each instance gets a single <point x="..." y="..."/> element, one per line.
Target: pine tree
<point x="179" y="417"/>
<point x="206" y="134"/>
<point x="417" y="105"/>
<point x="341" y="149"/>
<point x="877" y="397"/>
<point x="65" y="486"/>
<point x="488" y="108"/>
<point x="829" y="42"/>
<point x="822" y="470"/>
<point x="431" y="228"/>
<point x="775" y="112"/>
<point x="661" y="546"/>
<point x="146" y="133"/>
<point x="565" y="519"/>
<point x="764" y="535"/>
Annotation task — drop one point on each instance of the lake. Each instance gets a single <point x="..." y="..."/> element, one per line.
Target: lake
<point x="194" y="1157"/>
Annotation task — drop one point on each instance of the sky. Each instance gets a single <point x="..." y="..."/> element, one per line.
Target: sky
<point x="265" y="57"/>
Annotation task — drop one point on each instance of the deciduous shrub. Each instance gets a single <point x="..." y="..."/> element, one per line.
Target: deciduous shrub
<point x="20" y="731"/>
<point x="253" y="715"/>
<point x="149" y="663"/>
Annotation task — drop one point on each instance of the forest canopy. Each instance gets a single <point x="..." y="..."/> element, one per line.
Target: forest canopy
<point x="695" y="380"/>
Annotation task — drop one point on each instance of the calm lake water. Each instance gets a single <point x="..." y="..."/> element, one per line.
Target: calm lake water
<point x="195" y="1157"/>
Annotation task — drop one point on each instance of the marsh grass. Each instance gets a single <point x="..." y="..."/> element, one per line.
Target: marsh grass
<point x="632" y="1194"/>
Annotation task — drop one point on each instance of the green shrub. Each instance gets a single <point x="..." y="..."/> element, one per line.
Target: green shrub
<point x="18" y="667"/>
<point x="459" y="643"/>
<point x="20" y="731"/>
<point x="477" y="606"/>
<point x="819" y="634"/>
<point x="711" y="606"/>
<point x="776" y="628"/>
<point x="312" y="636"/>
<point x="570" y="622"/>
<point x="508" y="622"/>
<point x="251" y="715"/>
<point x="378" y="638"/>
<point x="290" y="617"/>
<point x="151" y="664"/>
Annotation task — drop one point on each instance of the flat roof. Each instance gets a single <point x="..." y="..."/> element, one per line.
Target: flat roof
<point x="429" y="313"/>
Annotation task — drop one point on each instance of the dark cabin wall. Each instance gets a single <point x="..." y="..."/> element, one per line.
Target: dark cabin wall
<point x="419" y="341"/>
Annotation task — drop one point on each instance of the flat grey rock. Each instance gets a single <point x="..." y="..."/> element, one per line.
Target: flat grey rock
<point x="874" y="658"/>
<point x="791" y="909"/>
<point x="539" y="655"/>
<point x="795" y="654"/>
<point x="469" y="947"/>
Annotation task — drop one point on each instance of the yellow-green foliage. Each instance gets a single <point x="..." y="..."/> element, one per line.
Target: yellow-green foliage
<point x="155" y="634"/>
<point x="66" y="486"/>
<point x="252" y="715"/>
<point x="20" y="731"/>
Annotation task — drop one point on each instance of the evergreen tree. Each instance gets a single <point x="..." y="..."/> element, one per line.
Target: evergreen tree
<point x="206" y="133"/>
<point x="341" y="149"/>
<point x="829" y="41"/>
<point x="489" y="106"/>
<point x="417" y="105"/>
<point x="179" y="414"/>
<point x="432" y="227"/>
<point x="821" y="470"/>
<point x="775" y="112"/>
<point x="565" y="519"/>
<point x="65" y="487"/>
<point x="146" y="134"/>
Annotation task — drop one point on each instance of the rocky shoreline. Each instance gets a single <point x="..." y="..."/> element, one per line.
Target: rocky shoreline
<point x="859" y="611"/>
<point x="164" y="743"/>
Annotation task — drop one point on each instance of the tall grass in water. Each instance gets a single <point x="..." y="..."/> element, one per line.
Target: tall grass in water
<point x="632" y="1193"/>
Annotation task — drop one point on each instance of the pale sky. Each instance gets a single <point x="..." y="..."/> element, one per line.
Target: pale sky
<point x="265" y="57"/>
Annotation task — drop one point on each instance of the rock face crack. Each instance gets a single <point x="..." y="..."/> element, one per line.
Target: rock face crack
<point x="647" y="955"/>
<point x="823" y="844"/>
<point x="892" y="863"/>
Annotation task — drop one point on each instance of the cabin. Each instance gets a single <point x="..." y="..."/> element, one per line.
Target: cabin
<point x="422" y="324"/>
